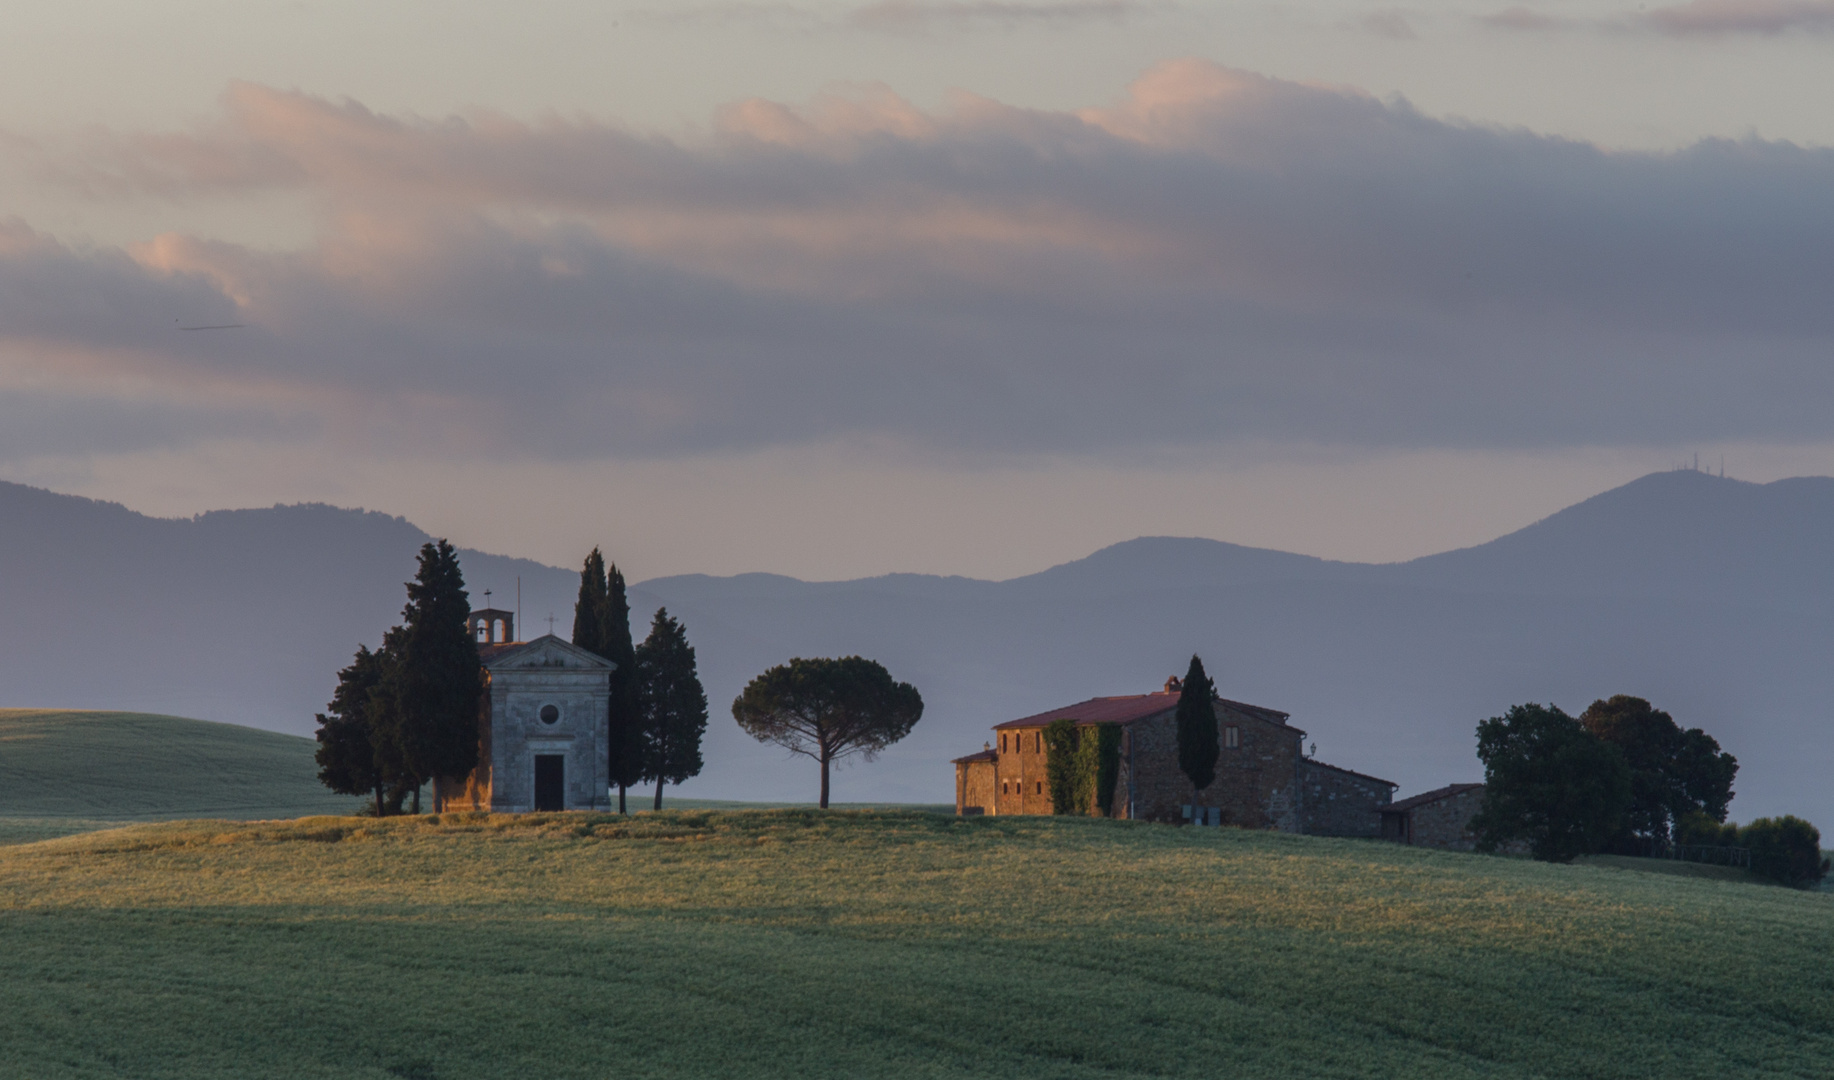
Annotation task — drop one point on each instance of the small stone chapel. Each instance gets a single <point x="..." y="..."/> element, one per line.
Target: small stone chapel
<point x="543" y="725"/>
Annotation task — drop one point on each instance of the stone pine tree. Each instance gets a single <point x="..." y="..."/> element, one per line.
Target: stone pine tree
<point x="436" y="682"/>
<point x="626" y="730"/>
<point x="1196" y="720"/>
<point x="673" y="705"/>
<point x="828" y="709"/>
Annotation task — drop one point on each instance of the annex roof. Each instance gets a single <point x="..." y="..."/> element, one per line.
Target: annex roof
<point x="1126" y="710"/>
<point x="978" y="755"/>
<point x="1359" y="775"/>
<point x="1428" y="797"/>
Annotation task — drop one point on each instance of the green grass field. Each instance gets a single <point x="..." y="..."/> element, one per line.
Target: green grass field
<point x="867" y="944"/>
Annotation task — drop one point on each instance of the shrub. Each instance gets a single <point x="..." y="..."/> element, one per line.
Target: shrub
<point x="1785" y="849"/>
<point x="1098" y="768"/>
<point x="1060" y="744"/>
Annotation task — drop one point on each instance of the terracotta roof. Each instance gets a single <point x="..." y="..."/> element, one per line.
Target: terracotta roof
<point x="1430" y="796"/>
<point x="978" y="755"/>
<point x="1353" y="772"/>
<point x="1126" y="710"/>
<point x="491" y="652"/>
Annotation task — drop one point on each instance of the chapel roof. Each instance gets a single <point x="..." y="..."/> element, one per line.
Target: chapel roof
<point x="495" y="656"/>
<point x="1429" y="797"/>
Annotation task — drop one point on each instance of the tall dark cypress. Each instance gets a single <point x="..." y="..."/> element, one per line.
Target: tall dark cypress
<point x="589" y="609"/>
<point x="626" y="742"/>
<point x="674" y="706"/>
<point x="1196" y="718"/>
<point x="437" y="681"/>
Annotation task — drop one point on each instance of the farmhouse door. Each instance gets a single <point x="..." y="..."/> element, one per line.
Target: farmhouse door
<point x="550" y="782"/>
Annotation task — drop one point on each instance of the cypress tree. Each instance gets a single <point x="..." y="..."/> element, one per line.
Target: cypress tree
<point x="349" y="758"/>
<point x="589" y="609"/>
<point x="437" y="681"/>
<point x="626" y="741"/>
<point x="674" y="706"/>
<point x="1196" y="718"/>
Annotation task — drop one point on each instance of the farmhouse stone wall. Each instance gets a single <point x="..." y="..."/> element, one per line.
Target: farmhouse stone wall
<point x="976" y="784"/>
<point x="1021" y="774"/>
<point x="1254" y="785"/>
<point x="1338" y="802"/>
<point x="1447" y="822"/>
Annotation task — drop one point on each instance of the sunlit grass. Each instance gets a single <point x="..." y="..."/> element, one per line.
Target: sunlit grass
<point x="796" y="943"/>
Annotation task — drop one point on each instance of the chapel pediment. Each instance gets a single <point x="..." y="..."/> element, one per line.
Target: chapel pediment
<point x="545" y="653"/>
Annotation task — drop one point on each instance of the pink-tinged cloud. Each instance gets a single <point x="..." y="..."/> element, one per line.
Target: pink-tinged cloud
<point x="1217" y="256"/>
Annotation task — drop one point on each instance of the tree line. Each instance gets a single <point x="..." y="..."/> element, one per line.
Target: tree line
<point x="1622" y="777"/>
<point x="408" y="712"/>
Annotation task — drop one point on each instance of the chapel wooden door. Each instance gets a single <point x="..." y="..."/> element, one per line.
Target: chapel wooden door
<point x="550" y="782"/>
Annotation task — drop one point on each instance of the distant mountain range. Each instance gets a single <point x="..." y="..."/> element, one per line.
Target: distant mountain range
<point x="1712" y="597"/>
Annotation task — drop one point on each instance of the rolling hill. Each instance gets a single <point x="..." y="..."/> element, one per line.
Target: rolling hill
<point x="1712" y="597"/>
<point x="131" y="766"/>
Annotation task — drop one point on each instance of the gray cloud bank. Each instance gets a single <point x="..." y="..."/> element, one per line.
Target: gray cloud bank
<point x="1217" y="257"/>
<point x="1695" y="19"/>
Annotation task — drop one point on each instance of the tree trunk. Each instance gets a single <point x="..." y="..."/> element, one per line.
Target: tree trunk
<point x="621" y="809"/>
<point x="659" y="793"/>
<point x="417" y="800"/>
<point x="824" y="781"/>
<point x="378" y="798"/>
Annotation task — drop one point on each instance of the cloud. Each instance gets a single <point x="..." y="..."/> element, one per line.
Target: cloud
<point x="911" y="15"/>
<point x="1390" y="24"/>
<point x="1217" y="257"/>
<point x="1697" y="19"/>
<point x="1712" y="18"/>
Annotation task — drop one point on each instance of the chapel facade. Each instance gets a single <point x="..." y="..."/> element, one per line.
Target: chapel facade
<point x="544" y="730"/>
<point x="1264" y="780"/>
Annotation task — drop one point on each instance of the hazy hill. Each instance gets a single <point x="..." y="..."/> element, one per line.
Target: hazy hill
<point x="1713" y="597"/>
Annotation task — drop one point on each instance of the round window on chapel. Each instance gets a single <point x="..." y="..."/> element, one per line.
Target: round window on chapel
<point x="549" y="714"/>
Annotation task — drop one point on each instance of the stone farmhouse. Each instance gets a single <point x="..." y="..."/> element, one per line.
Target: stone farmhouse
<point x="1264" y="780"/>
<point x="543" y="725"/>
<point x="1439" y="818"/>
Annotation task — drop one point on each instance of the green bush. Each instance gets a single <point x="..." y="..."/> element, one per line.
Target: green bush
<point x="1785" y="849"/>
<point x="1698" y="828"/>
<point x="1060" y="744"/>
<point x="1082" y="766"/>
<point x="1098" y="768"/>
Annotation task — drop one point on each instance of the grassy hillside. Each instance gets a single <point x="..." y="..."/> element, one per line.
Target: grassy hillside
<point x="59" y="767"/>
<point x="801" y="944"/>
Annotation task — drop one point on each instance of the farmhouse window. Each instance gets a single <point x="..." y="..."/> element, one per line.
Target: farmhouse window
<point x="1037" y="741"/>
<point x="1232" y="736"/>
<point x="1040" y="790"/>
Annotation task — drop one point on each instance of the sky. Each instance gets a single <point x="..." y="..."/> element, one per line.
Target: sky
<point x="976" y="287"/>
